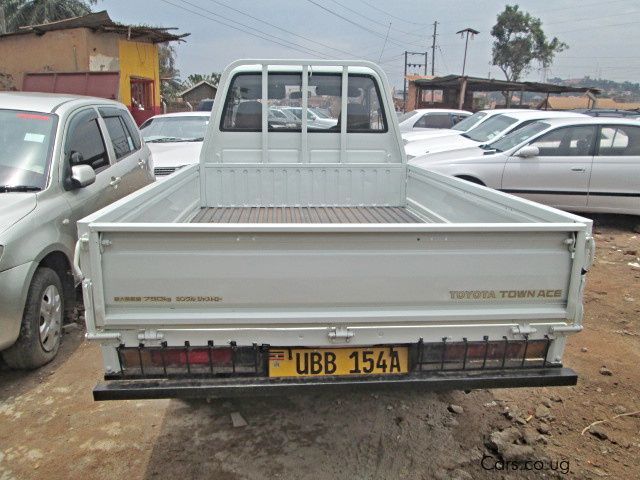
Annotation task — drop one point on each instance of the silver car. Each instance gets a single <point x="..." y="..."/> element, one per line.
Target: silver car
<point x="61" y="158"/>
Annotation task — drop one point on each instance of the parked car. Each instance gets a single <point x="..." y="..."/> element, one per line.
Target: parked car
<point x="205" y="105"/>
<point x="576" y="164"/>
<point x="320" y="259"/>
<point x="494" y="128"/>
<point x="282" y="119"/>
<point x="314" y="120"/>
<point x="175" y="139"/>
<point x="463" y="126"/>
<point x="62" y="157"/>
<point x="425" y="119"/>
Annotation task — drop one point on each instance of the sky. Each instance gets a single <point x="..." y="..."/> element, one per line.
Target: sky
<point x="603" y="37"/>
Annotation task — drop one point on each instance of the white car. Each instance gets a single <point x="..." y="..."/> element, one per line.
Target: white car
<point x="459" y="128"/>
<point x="494" y="128"/>
<point x="589" y="164"/>
<point x="428" y="119"/>
<point x="175" y="139"/>
<point x="315" y="118"/>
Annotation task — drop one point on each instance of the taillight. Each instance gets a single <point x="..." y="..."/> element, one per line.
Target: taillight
<point x="176" y="361"/>
<point x="478" y="355"/>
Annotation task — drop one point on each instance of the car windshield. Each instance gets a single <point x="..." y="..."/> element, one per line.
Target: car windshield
<point x="296" y="111"/>
<point x="319" y="113"/>
<point x="175" y="129"/>
<point x="406" y="116"/>
<point x="490" y="129"/>
<point x="25" y="149"/>
<point x="469" y="122"/>
<point x="517" y="136"/>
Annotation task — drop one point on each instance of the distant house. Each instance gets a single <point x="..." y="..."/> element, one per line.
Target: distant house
<point x="87" y="55"/>
<point x="199" y="91"/>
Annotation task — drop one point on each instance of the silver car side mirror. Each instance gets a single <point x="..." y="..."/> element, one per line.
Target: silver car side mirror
<point x="82" y="176"/>
<point x="528" y="152"/>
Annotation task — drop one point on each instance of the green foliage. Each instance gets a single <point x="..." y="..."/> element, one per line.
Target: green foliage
<point x="170" y="83"/>
<point x="195" y="78"/>
<point x="519" y="41"/>
<point x="21" y="13"/>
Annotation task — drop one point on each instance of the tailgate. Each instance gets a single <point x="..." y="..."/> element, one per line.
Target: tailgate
<point x="178" y="277"/>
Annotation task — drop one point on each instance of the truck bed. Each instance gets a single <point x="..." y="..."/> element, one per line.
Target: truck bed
<point x="305" y="215"/>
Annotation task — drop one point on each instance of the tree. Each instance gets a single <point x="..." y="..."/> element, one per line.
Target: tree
<point x="20" y="13"/>
<point x="170" y="83"/>
<point x="519" y="41"/>
<point x="195" y="78"/>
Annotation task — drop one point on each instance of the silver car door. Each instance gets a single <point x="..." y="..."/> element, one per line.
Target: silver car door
<point x="130" y="170"/>
<point x="615" y="178"/>
<point x="83" y="135"/>
<point x="559" y="175"/>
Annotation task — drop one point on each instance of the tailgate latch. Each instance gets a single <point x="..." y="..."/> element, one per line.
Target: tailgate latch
<point x="340" y="333"/>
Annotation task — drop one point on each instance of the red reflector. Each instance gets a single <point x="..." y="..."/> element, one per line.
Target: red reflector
<point x="197" y="356"/>
<point x="33" y="116"/>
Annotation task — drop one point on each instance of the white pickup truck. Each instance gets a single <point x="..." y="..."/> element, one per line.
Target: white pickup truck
<point x="297" y="258"/>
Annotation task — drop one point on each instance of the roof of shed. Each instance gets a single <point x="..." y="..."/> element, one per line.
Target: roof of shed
<point x="477" y="84"/>
<point x="197" y="85"/>
<point x="100" y="21"/>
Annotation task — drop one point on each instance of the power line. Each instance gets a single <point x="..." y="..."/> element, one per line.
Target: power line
<point x="346" y="19"/>
<point x="391" y="15"/>
<point x="283" y="29"/>
<point x="262" y="35"/>
<point x="385" y="25"/>
<point x="573" y="20"/>
<point x="385" y="43"/>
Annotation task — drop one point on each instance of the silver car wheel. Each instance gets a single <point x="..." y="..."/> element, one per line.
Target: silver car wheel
<point x="50" y="317"/>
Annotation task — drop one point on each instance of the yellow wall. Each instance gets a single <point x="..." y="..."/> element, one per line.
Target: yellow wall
<point x="138" y="59"/>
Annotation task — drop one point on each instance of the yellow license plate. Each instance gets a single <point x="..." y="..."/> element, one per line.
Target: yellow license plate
<point x="312" y="362"/>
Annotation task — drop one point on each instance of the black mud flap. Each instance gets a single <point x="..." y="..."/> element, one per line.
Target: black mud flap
<point x="257" y="386"/>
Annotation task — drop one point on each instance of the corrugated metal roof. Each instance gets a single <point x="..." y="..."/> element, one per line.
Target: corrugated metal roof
<point x="100" y="21"/>
<point x="477" y="84"/>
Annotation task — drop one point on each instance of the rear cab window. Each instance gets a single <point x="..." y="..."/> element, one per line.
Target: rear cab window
<point x="242" y="111"/>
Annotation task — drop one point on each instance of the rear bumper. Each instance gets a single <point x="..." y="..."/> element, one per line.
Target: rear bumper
<point x="257" y="386"/>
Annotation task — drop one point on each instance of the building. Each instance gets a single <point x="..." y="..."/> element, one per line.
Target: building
<point x="464" y="92"/>
<point x="200" y="91"/>
<point x="91" y="55"/>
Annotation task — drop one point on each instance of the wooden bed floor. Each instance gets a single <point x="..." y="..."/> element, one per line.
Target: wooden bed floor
<point x="305" y="215"/>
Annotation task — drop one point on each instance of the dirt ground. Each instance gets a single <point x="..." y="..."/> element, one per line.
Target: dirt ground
<point x="51" y="428"/>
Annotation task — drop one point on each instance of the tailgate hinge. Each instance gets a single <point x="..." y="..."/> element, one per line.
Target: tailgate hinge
<point x="523" y="330"/>
<point x="571" y="244"/>
<point x="340" y="333"/>
<point x="150" y="336"/>
<point x="104" y="243"/>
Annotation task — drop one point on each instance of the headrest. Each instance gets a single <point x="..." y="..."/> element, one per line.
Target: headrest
<point x="358" y="117"/>
<point x="249" y="115"/>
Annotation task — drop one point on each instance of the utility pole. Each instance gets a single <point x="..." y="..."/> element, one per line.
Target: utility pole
<point x="433" y="49"/>
<point x="408" y="65"/>
<point x="462" y="33"/>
